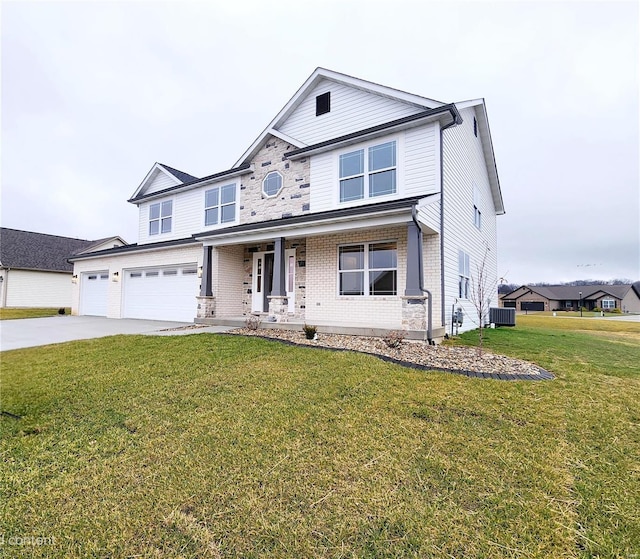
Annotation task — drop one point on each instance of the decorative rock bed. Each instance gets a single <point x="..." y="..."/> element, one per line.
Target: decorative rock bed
<point x="454" y="359"/>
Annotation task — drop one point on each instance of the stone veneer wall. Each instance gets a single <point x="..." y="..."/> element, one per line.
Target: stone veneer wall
<point x="293" y="198"/>
<point x="300" y="274"/>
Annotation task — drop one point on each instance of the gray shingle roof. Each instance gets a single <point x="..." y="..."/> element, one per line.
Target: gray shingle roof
<point x="180" y="175"/>
<point x="572" y="292"/>
<point x="38" y="251"/>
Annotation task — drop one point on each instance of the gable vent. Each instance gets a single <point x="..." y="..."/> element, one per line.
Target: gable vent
<point x="323" y="103"/>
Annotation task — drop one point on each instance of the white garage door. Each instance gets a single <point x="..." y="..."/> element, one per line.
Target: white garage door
<point x="93" y="293"/>
<point x="167" y="293"/>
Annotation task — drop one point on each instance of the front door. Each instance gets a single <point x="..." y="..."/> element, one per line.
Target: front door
<point x="262" y="283"/>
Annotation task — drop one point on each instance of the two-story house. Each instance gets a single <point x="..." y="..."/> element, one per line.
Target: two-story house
<point x="359" y="208"/>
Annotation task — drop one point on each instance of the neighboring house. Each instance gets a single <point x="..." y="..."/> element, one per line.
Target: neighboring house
<point x="34" y="270"/>
<point x="569" y="297"/>
<point x="353" y="199"/>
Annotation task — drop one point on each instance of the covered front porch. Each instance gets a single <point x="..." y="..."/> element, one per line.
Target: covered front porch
<point x="361" y="275"/>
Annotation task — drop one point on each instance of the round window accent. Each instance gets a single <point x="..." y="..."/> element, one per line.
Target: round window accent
<point x="272" y="184"/>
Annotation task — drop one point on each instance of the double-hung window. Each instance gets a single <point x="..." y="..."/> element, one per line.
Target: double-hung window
<point x="608" y="304"/>
<point x="368" y="269"/>
<point x="220" y="205"/>
<point x="160" y="215"/>
<point x="463" y="274"/>
<point x="370" y="172"/>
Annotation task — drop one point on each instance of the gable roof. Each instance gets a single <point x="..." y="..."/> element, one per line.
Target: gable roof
<point x="28" y="250"/>
<point x="322" y="74"/>
<point x="572" y="292"/>
<point x="177" y="177"/>
<point x="180" y="175"/>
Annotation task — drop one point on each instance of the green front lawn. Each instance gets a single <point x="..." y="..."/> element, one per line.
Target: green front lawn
<point x="223" y="446"/>
<point x="13" y="313"/>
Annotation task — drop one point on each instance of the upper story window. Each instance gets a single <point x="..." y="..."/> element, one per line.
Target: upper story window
<point x="463" y="274"/>
<point x="323" y="103"/>
<point x="272" y="184"/>
<point x="160" y="215"/>
<point x="220" y="205"/>
<point x="374" y="167"/>
<point x="368" y="269"/>
<point x="477" y="214"/>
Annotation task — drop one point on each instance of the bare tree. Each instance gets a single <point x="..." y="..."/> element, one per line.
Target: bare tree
<point x="483" y="288"/>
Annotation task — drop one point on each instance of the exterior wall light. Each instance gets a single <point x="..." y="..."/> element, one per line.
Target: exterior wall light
<point x="199" y="271"/>
<point x="74" y="278"/>
<point x="115" y="276"/>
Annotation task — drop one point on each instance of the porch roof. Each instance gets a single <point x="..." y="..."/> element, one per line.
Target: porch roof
<point x="358" y="217"/>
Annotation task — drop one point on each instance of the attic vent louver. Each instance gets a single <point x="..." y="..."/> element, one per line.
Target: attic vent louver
<point x="323" y="103"/>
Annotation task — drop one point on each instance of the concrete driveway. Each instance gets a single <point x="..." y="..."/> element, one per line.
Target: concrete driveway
<point x="31" y="332"/>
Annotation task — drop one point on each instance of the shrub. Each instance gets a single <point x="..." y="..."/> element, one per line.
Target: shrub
<point x="616" y="311"/>
<point x="394" y="339"/>
<point x="252" y="322"/>
<point x="310" y="331"/>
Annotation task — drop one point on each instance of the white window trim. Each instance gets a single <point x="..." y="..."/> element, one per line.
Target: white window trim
<point x="608" y="301"/>
<point x="365" y="270"/>
<point x="281" y="184"/>
<point x="159" y="219"/>
<point x="220" y="225"/>
<point x="366" y="199"/>
<point x="464" y="275"/>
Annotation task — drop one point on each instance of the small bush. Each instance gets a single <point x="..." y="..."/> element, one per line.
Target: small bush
<point x="252" y="322"/>
<point x="310" y="331"/>
<point x="394" y="339"/>
<point x="616" y="311"/>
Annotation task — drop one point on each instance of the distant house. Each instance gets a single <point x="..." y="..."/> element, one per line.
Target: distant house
<point x="34" y="271"/>
<point x="571" y="297"/>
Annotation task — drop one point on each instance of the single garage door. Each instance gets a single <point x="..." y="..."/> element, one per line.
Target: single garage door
<point x="532" y="305"/>
<point x="93" y="293"/>
<point x="166" y="293"/>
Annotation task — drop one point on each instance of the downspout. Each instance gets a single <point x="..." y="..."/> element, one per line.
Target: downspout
<point x="421" y="278"/>
<point x="457" y="119"/>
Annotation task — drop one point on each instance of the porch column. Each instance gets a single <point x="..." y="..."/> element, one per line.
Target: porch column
<point x="206" y="285"/>
<point x="414" y="273"/>
<point x="279" y="269"/>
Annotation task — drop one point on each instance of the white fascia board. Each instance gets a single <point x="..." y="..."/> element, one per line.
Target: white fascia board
<point x="138" y="250"/>
<point x="322" y="73"/>
<point x="200" y="183"/>
<point x="156" y="166"/>
<point x="287" y="138"/>
<point x="325" y="227"/>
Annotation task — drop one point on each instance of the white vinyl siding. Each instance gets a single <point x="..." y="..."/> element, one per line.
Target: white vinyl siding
<point x="465" y="173"/>
<point x="159" y="181"/>
<point x="417" y="164"/>
<point x="188" y="214"/>
<point x="351" y="110"/>
<point x="26" y="288"/>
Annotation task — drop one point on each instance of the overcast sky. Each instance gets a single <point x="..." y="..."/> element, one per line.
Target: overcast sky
<point x="93" y="93"/>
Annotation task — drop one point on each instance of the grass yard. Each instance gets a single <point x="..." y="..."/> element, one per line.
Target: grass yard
<point x="221" y="446"/>
<point x="14" y="313"/>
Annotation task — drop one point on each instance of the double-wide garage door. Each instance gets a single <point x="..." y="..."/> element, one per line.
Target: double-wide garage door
<point x="164" y="293"/>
